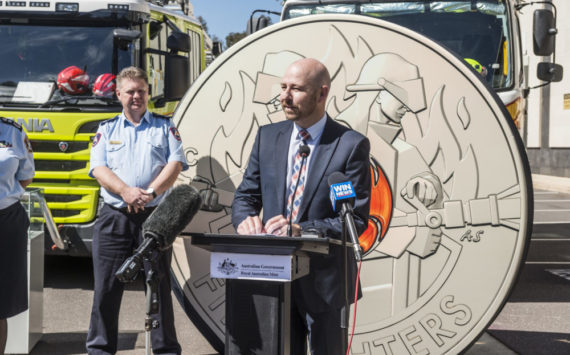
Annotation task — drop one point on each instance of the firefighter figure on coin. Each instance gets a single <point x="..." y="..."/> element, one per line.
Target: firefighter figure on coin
<point x="136" y="158"/>
<point x="16" y="172"/>
<point x="387" y="88"/>
<point x="388" y="91"/>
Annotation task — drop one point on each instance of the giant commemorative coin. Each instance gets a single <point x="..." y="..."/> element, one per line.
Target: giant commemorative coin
<point x="451" y="195"/>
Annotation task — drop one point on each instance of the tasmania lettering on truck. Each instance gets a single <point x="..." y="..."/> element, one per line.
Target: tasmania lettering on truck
<point x="59" y="60"/>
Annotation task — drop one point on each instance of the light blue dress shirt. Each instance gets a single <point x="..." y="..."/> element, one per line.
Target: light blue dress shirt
<point x="136" y="154"/>
<point x="16" y="162"/>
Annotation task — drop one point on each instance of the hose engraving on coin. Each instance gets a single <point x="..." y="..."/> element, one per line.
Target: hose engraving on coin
<point x="450" y="200"/>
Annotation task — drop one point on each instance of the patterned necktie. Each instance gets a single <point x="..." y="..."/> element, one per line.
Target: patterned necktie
<point x="298" y="178"/>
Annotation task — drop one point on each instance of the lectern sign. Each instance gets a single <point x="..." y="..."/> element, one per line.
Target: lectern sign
<point x="250" y="267"/>
<point x="451" y="197"/>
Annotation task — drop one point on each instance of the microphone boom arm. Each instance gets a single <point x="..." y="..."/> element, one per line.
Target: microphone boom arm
<point x="131" y="267"/>
<point x="347" y="215"/>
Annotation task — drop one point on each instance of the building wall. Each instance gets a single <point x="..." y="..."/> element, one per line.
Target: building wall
<point x="547" y="134"/>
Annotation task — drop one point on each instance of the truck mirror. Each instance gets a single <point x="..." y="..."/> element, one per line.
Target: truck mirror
<point x="544" y="32"/>
<point x="256" y="23"/>
<point x="178" y="42"/>
<point x="123" y="34"/>
<point x="217" y="48"/>
<point x="154" y="28"/>
<point x="124" y="37"/>
<point x="176" y="77"/>
<point x="549" y="72"/>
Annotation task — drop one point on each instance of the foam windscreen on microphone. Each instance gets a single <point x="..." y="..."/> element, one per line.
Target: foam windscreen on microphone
<point x="172" y="215"/>
<point x="336" y="178"/>
<point x="304" y="150"/>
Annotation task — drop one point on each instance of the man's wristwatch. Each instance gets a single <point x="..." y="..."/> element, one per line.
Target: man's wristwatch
<point x="150" y="190"/>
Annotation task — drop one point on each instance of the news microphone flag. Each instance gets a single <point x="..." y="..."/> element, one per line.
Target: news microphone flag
<point x="343" y="198"/>
<point x="340" y="193"/>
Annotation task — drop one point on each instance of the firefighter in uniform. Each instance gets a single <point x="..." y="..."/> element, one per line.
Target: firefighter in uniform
<point x="136" y="158"/>
<point x="16" y="172"/>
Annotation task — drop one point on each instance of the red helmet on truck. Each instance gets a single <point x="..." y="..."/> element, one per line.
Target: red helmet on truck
<point x="104" y="85"/>
<point x="73" y="80"/>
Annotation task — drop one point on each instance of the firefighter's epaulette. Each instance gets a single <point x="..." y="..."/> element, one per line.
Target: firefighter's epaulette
<point x="109" y="120"/>
<point x="11" y="122"/>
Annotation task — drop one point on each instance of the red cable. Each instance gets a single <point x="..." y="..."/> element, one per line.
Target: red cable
<point x="355" y="302"/>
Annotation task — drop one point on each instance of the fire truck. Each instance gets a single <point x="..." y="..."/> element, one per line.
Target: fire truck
<point x="40" y="39"/>
<point x="485" y="33"/>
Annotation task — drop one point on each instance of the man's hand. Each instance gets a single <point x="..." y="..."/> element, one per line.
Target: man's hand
<point x="278" y="225"/>
<point x="136" y="198"/>
<point x="251" y="225"/>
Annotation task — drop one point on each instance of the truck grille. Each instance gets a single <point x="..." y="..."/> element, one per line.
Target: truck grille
<point x="57" y="181"/>
<point x="71" y="203"/>
<point x="59" y="165"/>
<point x="64" y="213"/>
<point x="58" y="147"/>
<point x="62" y="198"/>
<point x="62" y="164"/>
<point x="70" y="194"/>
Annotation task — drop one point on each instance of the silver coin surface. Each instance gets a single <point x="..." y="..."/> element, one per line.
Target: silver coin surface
<point x="451" y="196"/>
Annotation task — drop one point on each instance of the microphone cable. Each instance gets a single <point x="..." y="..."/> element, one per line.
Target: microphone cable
<point x="355" y="304"/>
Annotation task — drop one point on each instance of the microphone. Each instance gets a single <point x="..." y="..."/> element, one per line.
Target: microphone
<point x="342" y="197"/>
<point x="304" y="152"/>
<point x="160" y="229"/>
<point x="172" y="215"/>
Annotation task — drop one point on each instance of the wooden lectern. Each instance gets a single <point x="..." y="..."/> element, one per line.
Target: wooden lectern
<point x="258" y="272"/>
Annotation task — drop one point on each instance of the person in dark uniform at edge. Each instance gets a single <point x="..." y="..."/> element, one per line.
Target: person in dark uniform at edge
<point x="136" y="158"/>
<point x="270" y="179"/>
<point x="16" y="172"/>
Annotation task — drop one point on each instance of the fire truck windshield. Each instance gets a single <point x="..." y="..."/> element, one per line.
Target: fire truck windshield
<point x="38" y="53"/>
<point x="478" y="31"/>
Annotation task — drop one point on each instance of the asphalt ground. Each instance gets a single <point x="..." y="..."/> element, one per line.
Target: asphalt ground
<point x="535" y="320"/>
<point x="68" y="293"/>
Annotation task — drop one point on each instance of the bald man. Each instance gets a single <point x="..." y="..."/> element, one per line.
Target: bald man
<point x="287" y="186"/>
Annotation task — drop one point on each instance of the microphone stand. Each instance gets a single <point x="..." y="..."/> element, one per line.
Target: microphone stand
<point x="345" y="310"/>
<point x="348" y="219"/>
<point x="348" y="228"/>
<point x="152" y="303"/>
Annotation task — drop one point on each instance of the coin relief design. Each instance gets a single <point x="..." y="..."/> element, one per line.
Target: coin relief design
<point x="450" y="200"/>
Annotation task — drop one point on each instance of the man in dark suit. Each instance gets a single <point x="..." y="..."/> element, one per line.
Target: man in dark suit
<point x="269" y="183"/>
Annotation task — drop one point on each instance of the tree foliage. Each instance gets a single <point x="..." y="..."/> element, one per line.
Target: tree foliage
<point x="233" y="37"/>
<point x="204" y="25"/>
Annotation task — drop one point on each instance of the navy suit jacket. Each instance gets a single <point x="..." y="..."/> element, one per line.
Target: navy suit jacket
<point x="264" y="187"/>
